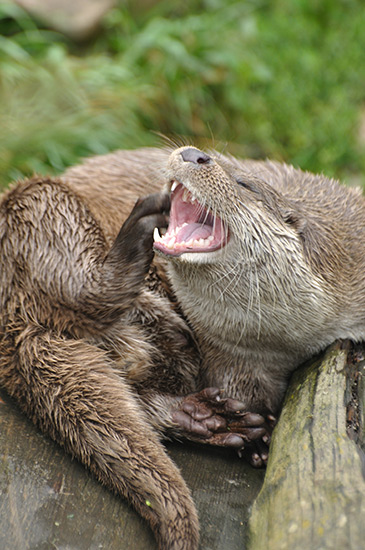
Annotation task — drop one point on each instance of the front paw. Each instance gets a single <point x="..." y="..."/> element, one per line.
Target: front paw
<point x="256" y="450"/>
<point x="208" y="418"/>
<point x="133" y="245"/>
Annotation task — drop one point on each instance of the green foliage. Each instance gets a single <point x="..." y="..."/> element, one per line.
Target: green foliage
<point x="281" y="79"/>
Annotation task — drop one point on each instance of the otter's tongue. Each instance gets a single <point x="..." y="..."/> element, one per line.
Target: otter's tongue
<point x="192" y="228"/>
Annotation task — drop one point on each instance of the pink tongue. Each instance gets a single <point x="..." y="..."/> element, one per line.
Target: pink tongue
<point x="193" y="231"/>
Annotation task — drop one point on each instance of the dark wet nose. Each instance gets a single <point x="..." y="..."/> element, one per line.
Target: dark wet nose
<point x="195" y="156"/>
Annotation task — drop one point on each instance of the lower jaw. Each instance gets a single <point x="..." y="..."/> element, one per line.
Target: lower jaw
<point x="196" y="257"/>
<point x="175" y="252"/>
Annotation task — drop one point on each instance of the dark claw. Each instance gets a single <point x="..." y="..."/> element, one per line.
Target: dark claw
<point x="256" y="461"/>
<point x="256" y="453"/>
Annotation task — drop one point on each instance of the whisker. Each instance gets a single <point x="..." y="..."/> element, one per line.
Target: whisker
<point x="172" y="142"/>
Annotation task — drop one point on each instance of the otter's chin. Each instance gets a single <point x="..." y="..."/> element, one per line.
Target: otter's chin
<point x="192" y="227"/>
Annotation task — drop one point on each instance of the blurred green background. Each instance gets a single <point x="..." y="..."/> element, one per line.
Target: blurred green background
<point x="283" y="79"/>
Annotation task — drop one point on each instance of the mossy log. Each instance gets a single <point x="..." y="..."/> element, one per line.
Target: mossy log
<point x="313" y="495"/>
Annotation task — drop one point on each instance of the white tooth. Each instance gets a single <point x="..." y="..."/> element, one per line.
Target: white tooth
<point x="210" y="238"/>
<point x="156" y="235"/>
<point x="180" y="227"/>
<point x="190" y="243"/>
<point x="185" y="196"/>
<point x="173" y="186"/>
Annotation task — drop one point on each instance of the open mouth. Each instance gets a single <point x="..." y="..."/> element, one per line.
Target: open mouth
<point x="192" y="228"/>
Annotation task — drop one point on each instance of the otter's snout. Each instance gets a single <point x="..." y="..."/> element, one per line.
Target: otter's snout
<point x="194" y="155"/>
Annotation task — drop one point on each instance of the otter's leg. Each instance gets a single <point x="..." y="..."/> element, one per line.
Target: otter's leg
<point x="121" y="273"/>
<point x="72" y="393"/>
<point x="59" y="288"/>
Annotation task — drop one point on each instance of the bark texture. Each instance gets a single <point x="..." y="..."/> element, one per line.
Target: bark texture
<point x="314" y="490"/>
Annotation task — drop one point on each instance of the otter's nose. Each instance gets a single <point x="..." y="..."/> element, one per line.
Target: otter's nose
<point x="194" y="155"/>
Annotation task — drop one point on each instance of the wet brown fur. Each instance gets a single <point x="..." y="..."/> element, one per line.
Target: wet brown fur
<point x="79" y="334"/>
<point x="96" y="354"/>
<point x="288" y="283"/>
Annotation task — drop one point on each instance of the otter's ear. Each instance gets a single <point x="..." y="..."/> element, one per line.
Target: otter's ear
<point x="294" y="219"/>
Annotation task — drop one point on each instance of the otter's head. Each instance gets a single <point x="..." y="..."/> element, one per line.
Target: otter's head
<point x="220" y="209"/>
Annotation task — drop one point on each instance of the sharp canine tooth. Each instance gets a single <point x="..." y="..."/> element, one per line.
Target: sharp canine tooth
<point x="173" y="186"/>
<point x="156" y="235"/>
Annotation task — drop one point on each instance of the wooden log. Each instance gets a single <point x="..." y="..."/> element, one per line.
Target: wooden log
<point x="313" y="495"/>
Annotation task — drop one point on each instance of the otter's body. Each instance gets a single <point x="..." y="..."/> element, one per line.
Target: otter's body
<point x="265" y="261"/>
<point x="287" y="279"/>
<point x="79" y="333"/>
<point x="287" y="283"/>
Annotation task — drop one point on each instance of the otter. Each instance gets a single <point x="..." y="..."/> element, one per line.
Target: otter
<point x="264" y="260"/>
<point x="93" y="345"/>
<point x="107" y="348"/>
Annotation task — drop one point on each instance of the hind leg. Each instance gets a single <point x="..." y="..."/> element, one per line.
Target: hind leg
<point x="61" y="290"/>
<point x="71" y="391"/>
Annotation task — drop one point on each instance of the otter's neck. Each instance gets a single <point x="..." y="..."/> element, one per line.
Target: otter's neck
<point x="241" y="309"/>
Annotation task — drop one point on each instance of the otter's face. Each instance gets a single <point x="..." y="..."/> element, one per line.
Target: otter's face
<point x="215" y="208"/>
<point x="196" y="226"/>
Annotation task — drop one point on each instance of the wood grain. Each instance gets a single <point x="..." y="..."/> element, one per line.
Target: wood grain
<point x="313" y="496"/>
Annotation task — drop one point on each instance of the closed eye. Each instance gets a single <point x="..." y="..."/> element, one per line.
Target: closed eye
<point x="247" y="185"/>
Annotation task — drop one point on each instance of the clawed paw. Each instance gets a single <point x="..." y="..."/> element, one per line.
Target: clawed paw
<point x="208" y="418"/>
<point x="256" y="450"/>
